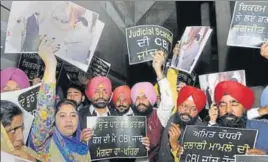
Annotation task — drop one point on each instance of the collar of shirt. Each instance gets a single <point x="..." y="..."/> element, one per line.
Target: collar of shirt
<point x="129" y="113"/>
<point x="92" y="110"/>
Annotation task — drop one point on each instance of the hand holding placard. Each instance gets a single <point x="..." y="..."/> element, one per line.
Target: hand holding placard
<point x="174" y="135"/>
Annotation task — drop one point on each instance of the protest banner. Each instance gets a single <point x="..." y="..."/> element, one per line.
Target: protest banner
<point x="72" y="73"/>
<point x="249" y="26"/>
<point x="28" y="99"/>
<point x="192" y="44"/>
<point x="34" y="66"/>
<point x="98" y="67"/>
<point x="18" y="97"/>
<point x="262" y="127"/>
<point x="208" y="82"/>
<point x="144" y="40"/>
<point x="117" y="137"/>
<point x="75" y="29"/>
<point x="251" y="158"/>
<point x="201" y="143"/>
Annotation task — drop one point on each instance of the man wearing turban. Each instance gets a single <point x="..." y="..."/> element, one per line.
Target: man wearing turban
<point x="143" y="96"/>
<point x="99" y="92"/>
<point x="13" y="79"/>
<point x="122" y="100"/>
<point x="190" y="103"/>
<point x="233" y="100"/>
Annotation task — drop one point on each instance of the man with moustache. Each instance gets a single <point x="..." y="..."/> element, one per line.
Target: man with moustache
<point x="190" y="102"/>
<point x="143" y="96"/>
<point x="233" y="100"/>
<point x="76" y="94"/>
<point x="99" y="92"/>
<point x="122" y="100"/>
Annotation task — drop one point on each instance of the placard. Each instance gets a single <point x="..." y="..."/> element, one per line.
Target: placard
<point x="28" y="99"/>
<point x="192" y="43"/>
<point x="208" y="82"/>
<point x="218" y="144"/>
<point x="74" y="28"/>
<point x="262" y="127"/>
<point x="117" y="137"/>
<point x="98" y="67"/>
<point x="144" y="40"/>
<point x="249" y="26"/>
<point x="28" y="118"/>
<point x="34" y="67"/>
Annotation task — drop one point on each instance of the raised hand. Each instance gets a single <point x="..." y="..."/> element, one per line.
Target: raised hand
<point x="86" y="134"/>
<point x="255" y="152"/>
<point x="158" y="61"/>
<point x="213" y="112"/>
<point x="46" y="50"/>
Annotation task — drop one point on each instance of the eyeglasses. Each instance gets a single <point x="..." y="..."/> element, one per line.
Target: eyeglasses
<point x="186" y="107"/>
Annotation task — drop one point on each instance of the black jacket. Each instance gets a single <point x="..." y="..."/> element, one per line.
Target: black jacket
<point x="85" y="112"/>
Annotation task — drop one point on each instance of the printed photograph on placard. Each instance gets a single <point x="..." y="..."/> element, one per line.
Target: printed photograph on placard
<point x="74" y="28"/>
<point x="26" y="99"/>
<point x="249" y="26"/>
<point x="208" y="82"/>
<point x="191" y="46"/>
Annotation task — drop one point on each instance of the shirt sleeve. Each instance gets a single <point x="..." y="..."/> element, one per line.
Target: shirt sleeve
<point x="253" y="113"/>
<point x="42" y="127"/>
<point x="166" y="104"/>
<point x="172" y="75"/>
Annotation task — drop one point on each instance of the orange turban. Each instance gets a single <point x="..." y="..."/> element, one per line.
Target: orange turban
<point x="198" y="96"/>
<point x="97" y="81"/>
<point x="241" y="93"/>
<point x="122" y="90"/>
